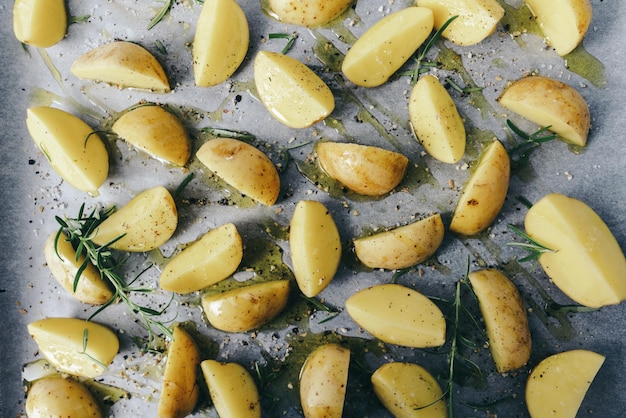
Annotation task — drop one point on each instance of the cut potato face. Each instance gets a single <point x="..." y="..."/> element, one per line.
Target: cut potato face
<point x="243" y="166"/>
<point x="386" y="46"/>
<point x="40" y="23"/>
<point x="220" y="42"/>
<point x="123" y="64"/>
<point x="291" y="91"/>
<point x="549" y="102"/>
<point x="56" y="396"/>
<point x="75" y="346"/>
<point x="587" y="264"/>
<point x="232" y="388"/>
<point x="401" y="247"/>
<point x="398" y="315"/>
<point x="557" y="386"/>
<point x="436" y="121"/>
<point x="71" y="146"/>
<point x="309" y="13"/>
<point x="484" y="193"/>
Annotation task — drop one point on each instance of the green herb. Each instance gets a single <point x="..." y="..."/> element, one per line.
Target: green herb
<point x="536" y="249"/>
<point x="78" y="19"/>
<point x="85" y="342"/>
<point x="462" y="90"/>
<point x="556" y="309"/>
<point x="162" y="13"/>
<point x="521" y="152"/>
<point x="290" y="40"/>
<point x="421" y="65"/>
<point x="160" y="47"/>
<point x="227" y="133"/>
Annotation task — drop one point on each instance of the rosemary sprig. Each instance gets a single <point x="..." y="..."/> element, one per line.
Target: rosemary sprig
<point x="463" y="90"/>
<point x="228" y="133"/>
<point x="521" y="152"/>
<point x="536" y="249"/>
<point x="290" y="40"/>
<point x="85" y="343"/>
<point x="421" y="65"/>
<point x="161" y="14"/>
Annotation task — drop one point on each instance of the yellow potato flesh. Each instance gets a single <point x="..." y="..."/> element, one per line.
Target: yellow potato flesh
<point x="41" y="23"/>
<point x="484" y="193"/>
<point x="71" y="146"/>
<point x="366" y="170"/>
<point x="146" y="222"/>
<point x="408" y="390"/>
<point x="436" y="121"/>
<point x="401" y="247"/>
<point x="155" y="131"/>
<point x="386" y="46"/>
<point x="398" y="315"/>
<point x="243" y="166"/>
<point x="220" y="42"/>
<point x="564" y="23"/>
<point x="180" y="390"/>
<point x="75" y="346"/>
<point x="246" y="308"/>
<point x="315" y="247"/>
<point x="549" y="102"/>
<point x="477" y="19"/>
<point x="557" y="386"/>
<point x="588" y="264"/>
<point x="63" y="265"/>
<point x="205" y="262"/>
<point x="123" y="64"/>
<point x="291" y="91"/>
<point x="323" y="381"/>
<point x="505" y="318"/>
<point x="55" y="396"/>
<point x="233" y="391"/>
<point x="309" y="13"/>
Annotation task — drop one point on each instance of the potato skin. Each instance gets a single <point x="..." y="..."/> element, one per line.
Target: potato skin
<point x="308" y="13"/>
<point x="56" y="396"/>
<point x="232" y="389"/>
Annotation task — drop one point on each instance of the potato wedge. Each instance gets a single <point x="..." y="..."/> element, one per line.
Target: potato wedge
<point x="505" y="318"/>
<point x="587" y="264"/>
<point x="308" y="13"/>
<point x="56" y="396"/>
<point x="220" y="42"/>
<point x="71" y="146"/>
<point x="557" y="386"/>
<point x="248" y="307"/>
<point x="315" y="247"/>
<point x="367" y="170"/>
<point x="291" y="91"/>
<point x="157" y="132"/>
<point x="484" y="193"/>
<point x="243" y="166"/>
<point x="207" y="261"/>
<point x="401" y="247"/>
<point x="386" y="46"/>
<point x="232" y="389"/>
<point x="323" y="381"/>
<point x="40" y="23"/>
<point x="123" y="64"/>
<point x="144" y="223"/>
<point x="409" y="390"/>
<point x="396" y="314"/>
<point x="549" y="102"/>
<point x="75" y="346"/>
<point x="436" y="121"/>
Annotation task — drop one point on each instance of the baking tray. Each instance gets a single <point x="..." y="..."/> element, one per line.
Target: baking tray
<point x="32" y="194"/>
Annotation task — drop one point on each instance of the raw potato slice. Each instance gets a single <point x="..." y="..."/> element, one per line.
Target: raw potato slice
<point x="62" y="262"/>
<point x="323" y="381"/>
<point x="367" y="170"/>
<point x="75" y="346"/>
<point x="408" y="390"/>
<point x="401" y="247"/>
<point x="232" y="388"/>
<point x="557" y="386"/>
<point x="291" y="91"/>
<point x="41" y="23"/>
<point x="309" y="13"/>
<point x="243" y="166"/>
<point x="123" y="64"/>
<point x="71" y="146"/>
<point x="248" y="307"/>
<point x="477" y="19"/>
<point x="564" y="23"/>
<point x="207" y="261"/>
<point x="386" y="46"/>
<point x="587" y="264"/>
<point x="549" y="102"/>
<point x="396" y="314"/>
<point x="220" y="42"/>
<point x="315" y="247"/>
<point x="505" y="318"/>
<point x="56" y="396"/>
<point x="156" y="131"/>
<point x="484" y="193"/>
<point x="436" y="121"/>
<point x="146" y="222"/>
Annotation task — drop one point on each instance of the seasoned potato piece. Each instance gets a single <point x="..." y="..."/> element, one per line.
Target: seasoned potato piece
<point x="41" y="23"/>
<point x="386" y="46"/>
<point x="309" y="13"/>
<point x="233" y="391"/>
<point x="401" y="247"/>
<point x="56" y="396"/>
<point x="484" y="193"/>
